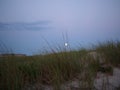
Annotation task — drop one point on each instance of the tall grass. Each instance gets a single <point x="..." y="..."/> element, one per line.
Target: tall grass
<point x="55" y="68"/>
<point x="110" y="50"/>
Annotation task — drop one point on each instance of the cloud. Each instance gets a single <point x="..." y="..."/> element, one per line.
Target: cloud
<point x="39" y="25"/>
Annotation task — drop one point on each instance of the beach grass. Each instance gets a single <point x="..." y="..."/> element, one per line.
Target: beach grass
<point x="57" y="67"/>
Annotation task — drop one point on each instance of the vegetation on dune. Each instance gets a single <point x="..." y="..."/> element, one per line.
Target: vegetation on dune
<point x="56" y="68"/>
<point x="110" y="50"/>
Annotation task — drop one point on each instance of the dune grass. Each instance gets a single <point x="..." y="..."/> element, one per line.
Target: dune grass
<point x="55" y="68"/>
<point x="110" y="50"/>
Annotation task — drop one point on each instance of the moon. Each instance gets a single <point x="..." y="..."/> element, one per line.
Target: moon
<point x="66" y="44"/>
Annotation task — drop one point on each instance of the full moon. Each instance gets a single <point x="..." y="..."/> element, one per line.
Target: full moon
<point x="66" y="44"/>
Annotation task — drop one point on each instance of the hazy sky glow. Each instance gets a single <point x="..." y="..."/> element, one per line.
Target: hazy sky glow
<point x="24" y="23"/>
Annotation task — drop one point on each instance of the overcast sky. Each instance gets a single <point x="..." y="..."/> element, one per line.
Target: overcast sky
<point x="24" y="24"/>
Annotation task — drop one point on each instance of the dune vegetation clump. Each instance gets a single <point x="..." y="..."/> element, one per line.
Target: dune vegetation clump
<point x="110" y="50"/>
<point x="57" y="68"/>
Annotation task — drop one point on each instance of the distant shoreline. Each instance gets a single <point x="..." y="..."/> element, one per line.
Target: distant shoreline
<point x="4" y="55"/>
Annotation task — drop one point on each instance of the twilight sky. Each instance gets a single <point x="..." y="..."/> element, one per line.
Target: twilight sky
<point x="25" y="24"/>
